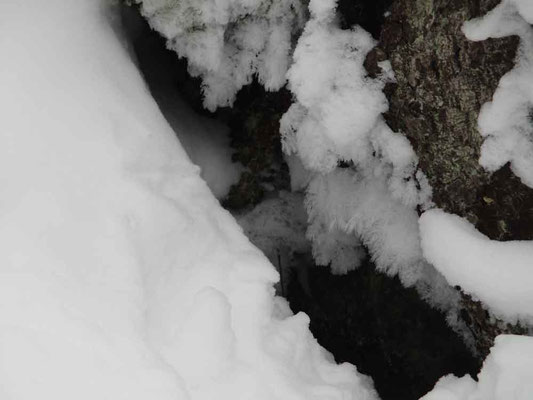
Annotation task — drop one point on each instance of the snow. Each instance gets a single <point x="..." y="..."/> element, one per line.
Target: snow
<point x="361" y="205"/>
<point x="500" y="274"/>
<point x="227" y="42"/>
<point x="277" y="223"/>
<point x="505" y="122"/>
<point x="507" y="374"/>
<point x="120" y="275"/>
<point x="337" y="117"/>
<point x="205" y="140"/>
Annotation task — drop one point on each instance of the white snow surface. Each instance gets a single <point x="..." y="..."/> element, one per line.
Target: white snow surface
<point x="120" y="275"/>
<point x="500" y="274"/>
<point x="505" y="122"/>
<point x="507" y="374"/>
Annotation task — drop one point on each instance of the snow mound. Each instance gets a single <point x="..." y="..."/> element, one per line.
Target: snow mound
<point x="120" y="275"/>
<point x="505" y="122"/>
<point x="500" y="274"/>
<point x="507" y="374"/>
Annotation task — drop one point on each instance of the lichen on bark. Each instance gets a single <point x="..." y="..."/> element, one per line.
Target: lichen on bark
<point x="442" y="80"/>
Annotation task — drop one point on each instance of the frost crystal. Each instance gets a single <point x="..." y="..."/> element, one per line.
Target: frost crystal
<point x="228" y="42"/>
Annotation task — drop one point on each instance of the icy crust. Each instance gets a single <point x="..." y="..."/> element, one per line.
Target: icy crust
<point x="506" y="121"/>
<point x="507" y="374"/>
<point x="227" y="42"/>
<point x="120" y="275"/>
<point x="499" y="274"/>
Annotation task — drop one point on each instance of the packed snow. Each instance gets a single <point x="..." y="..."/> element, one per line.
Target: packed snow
<point x="507" y="374"/>
<point x="120" y="275"/>
<point x="500" y="274"/>
<point x="505" y="122"/>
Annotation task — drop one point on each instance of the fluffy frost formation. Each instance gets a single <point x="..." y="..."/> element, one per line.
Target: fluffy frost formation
<point x="120" y="275"/>
<point x="506" y="121"/>
<point x="507" y="374"/>
<point x="500" y="274"/>
<point x="337" y="118"/>
<point x="227" y="42"/>
<point x="277" y="226"/>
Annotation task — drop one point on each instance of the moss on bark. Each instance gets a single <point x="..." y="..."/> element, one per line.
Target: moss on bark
<point x="442" y="80"/>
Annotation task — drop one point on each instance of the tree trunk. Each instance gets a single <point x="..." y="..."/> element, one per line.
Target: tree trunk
<point x="442" y="80"/>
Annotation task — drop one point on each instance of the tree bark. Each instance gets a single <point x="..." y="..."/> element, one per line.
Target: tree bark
<point x="442" y="80"/>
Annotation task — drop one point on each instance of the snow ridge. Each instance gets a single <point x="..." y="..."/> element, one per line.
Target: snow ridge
<point x="121" y="277"/>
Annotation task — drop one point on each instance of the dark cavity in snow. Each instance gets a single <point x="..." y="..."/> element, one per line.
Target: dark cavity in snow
<point x="386" y="330"/>
<point x="364" y="317"/>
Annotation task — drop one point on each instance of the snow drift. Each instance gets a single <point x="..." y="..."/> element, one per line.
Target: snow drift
<point x="507" y="374"/>
<point x="120" y="275"/>
<point x="500" y="274"/>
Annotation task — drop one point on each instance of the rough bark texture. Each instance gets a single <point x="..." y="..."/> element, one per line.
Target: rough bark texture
<point x="442" y="80"/>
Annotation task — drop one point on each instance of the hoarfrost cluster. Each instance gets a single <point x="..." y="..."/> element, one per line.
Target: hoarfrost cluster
<point x="228" y="42"/>
<point x="337" y="119"/>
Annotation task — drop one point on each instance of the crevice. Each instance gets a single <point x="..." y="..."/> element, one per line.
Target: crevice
<point x="386" y="330"/>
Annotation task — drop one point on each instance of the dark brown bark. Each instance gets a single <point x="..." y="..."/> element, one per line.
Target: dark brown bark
<point x="442" y="80"/>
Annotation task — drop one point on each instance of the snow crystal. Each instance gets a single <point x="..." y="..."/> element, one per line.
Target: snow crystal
<point x="506" y="121"/>
<point x="120" y="275"/>
<point x="507" y="374"/>
<point x="500" y="274"/>
<point x="337" y="119"/>
<point x="228" y="42"/>
<point x="337" y="106"/>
